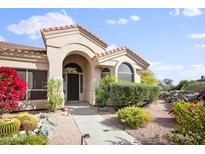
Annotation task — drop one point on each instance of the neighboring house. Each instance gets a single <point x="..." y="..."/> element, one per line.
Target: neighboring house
<point x="74" y="55"/>
<point x="202" y="79"/>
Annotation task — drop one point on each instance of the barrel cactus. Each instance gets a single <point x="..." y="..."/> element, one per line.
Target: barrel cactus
<point x="29" y="122"/>
<point x="9" y="127"/>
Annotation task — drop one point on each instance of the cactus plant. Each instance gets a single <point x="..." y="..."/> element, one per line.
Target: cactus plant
<point x="9" y="127"/>
<point x="29" y="125"/>
<point x="29" y="122"/>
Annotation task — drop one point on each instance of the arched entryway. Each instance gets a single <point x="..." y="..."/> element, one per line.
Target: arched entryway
<point x="74" y="81"/>
<point x="76" y="78"/>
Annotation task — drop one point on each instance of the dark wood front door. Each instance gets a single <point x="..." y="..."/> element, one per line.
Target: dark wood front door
<point x="73" y="87"/>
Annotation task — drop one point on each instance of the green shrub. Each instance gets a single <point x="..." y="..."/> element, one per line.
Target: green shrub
<point x="134" y="116"/>
<point x="55" y="98"/>
<point x="102" y="92"/>
<point x="9" y="127"/>
<point x="101" y="97"/>
<point x="28" y="121"/>
<point x="195" y="86"/>
<point x="127" y="93"/>
<point x="24" y="140"/>
<point x="191" y="120"/>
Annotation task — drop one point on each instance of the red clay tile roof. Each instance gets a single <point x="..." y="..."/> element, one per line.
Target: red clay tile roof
<point x="4" y="46"/>
<point x="73" y="26"/>
<point x="109" y="52"/>
<point x="120" y="49"/>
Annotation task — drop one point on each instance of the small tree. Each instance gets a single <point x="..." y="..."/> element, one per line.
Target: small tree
<point x="166" y="84"/>
<point x="55" y="98"/>
<point x="12" y="89"/>
<point x="149" y="78"/>
<point x="102" y="92"/>
<point x="183" y="84"/>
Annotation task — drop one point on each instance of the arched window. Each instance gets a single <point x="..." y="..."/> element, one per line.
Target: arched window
<point x="125" y="72"/>
<point x="104" y="72"/>
<point x="73" y="68"/>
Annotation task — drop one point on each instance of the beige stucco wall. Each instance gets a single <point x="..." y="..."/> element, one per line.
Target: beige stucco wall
<point x="61" y="46"/>
<point x="26" y="61"/>
<point x="71" y="46"/>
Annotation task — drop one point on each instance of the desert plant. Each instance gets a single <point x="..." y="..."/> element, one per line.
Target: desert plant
<point x="28" y="121"/>
<point x="24" y="140"/>
<point x="190" y="117"/>
<point x="196" y="86"/>
<point x="9" y="127"/>
<point x="128" y="93"/>
<point x="149" y="78"/>
<point x="55" y="98"/>
<point x="134" y="116"/>
<point x="102" y="92"/>
<point x="12" y="89"/>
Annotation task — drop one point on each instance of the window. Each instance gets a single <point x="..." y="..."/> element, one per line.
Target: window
<point x="22" y="74"/>
<point x="73" y="68"/>
<point x="36" y="81"/>
<point x="105" y="72"/>
<point x="125" y="72"/>
<point x="81" y="83"/>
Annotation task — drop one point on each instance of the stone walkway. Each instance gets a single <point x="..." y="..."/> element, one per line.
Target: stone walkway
<point x="101" y="132"/>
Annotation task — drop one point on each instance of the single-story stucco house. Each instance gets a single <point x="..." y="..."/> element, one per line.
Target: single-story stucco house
<point x="74" y="55"/>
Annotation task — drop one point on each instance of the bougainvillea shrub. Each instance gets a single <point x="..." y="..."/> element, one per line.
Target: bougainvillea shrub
<point x="12" y="89"/>
<point x="191" y="119"/>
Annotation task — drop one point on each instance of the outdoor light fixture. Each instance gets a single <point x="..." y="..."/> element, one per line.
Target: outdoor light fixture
<point x="83" y="137"/>
<point x="123" y="123"/>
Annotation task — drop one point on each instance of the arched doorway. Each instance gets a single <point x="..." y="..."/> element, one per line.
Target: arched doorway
<point x="76" y="78"/>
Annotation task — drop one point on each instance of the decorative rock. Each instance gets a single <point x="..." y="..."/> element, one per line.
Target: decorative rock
<point x="52" y="121"/>
<point x="36" y="131"/>
<point x="15" y="136"/>
<point x="22" y="133"/>
<point x="31" y="133"/>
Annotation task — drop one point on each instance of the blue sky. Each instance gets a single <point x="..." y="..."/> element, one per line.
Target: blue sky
<point x="172" y="40"/>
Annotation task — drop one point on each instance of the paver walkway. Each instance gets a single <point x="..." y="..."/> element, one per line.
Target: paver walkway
<point x="101" y="132"/>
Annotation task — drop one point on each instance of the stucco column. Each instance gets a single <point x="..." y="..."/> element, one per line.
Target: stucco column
<point x="92" y="85"/>
<point x="55" y="67"/>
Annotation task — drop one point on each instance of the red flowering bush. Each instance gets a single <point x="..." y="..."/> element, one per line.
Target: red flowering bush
<point x="191" y="119"/>
<point x="12" y="89"/>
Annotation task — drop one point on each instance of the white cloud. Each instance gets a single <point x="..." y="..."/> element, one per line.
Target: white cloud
<point x="123" y="21"/>
<point x="193" y="72"/>
<point x="135" y="18"/>
<point x="177" y="72"/>
<point x="161" y="67"/>
<point x="196" y="35"/>
<point x="200" y="46"/>
<point x="176" y="12"/>
<point x="189" y="12"/>
<point x="111" y="47"/>
<point x="120" y="21"/>
<point x="112" y="22"/>
<point x="2" y="38"/>
<point x="32" y="25"/>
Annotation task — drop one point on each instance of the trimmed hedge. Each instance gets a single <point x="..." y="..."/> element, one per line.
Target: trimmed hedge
<point x="127" y="93"/>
